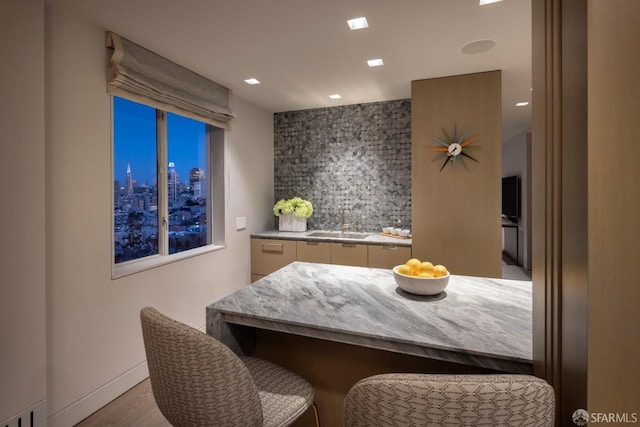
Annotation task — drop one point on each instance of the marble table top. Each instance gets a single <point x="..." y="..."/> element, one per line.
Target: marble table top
<point x="475" y="321"/>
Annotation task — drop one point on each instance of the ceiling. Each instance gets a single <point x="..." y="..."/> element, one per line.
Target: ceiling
<point x="302" y="50"/>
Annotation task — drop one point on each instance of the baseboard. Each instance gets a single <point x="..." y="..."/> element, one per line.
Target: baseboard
<point x="509" y="259"/>
<point x="87" y="405"/>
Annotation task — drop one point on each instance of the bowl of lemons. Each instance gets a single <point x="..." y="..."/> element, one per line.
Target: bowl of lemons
<point x="421" y="277"/>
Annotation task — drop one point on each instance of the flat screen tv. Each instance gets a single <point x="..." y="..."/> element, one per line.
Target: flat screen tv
<point x="511" y="198"/>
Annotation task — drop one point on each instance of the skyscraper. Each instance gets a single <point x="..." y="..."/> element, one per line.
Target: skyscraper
<point x="195" y="175"/>
<point x="196" y="182"/>
<point x="129" y="182"/>
<point x="173" y="181"/>
<point x="117" y="191"/>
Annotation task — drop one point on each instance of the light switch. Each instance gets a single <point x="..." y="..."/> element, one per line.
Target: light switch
<point x="241" y="223"/>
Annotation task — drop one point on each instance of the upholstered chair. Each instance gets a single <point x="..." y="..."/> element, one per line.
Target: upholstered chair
<point x="449" y="400"/>
<point x="198" y="381"/>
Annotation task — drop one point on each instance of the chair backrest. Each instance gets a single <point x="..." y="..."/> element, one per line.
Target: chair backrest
<point x="196" y="380"/>
<point x="449" y="400"/>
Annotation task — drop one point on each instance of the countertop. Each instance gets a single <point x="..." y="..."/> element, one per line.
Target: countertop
<point x="475" y="321"/>
<point x="371" y="239"/>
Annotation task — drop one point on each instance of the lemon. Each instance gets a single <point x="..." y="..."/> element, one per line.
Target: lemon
<point x="440" y="270"/>
<point x="426" y="275"/>
<point x="405" y="269"/>
<point x="413" y="263"/>
<point x="426" y="267"/>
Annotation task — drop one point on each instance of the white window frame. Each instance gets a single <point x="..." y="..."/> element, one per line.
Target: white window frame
<point x="217" y="143"/>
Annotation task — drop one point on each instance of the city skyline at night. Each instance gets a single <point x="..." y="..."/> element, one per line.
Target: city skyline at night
<point x="136" y="136"/>
<point x="137" y="197"/>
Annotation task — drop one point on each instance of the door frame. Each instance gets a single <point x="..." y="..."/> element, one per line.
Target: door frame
<point x="559" y="200"/>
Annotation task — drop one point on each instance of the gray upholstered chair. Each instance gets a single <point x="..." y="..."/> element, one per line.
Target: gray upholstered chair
<point x="198" y="381"/>
<point x="449" y="400"/>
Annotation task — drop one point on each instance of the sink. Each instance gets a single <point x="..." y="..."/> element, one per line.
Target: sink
<point x="338" y="235"/>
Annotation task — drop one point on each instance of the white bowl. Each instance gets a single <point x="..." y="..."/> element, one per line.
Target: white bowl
<point x="420" y="285"/>
<point x="394" y="231"/>
<point x="404" y="233"/>
<point x="387" y="230"/>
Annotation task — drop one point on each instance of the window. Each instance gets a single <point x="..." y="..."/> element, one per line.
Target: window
<point x="164" y="194"/>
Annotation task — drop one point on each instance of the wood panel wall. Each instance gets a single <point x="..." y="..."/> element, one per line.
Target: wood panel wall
<point x="456" y="215"/>
<point x="586" y="203"/>
<point x="614" y="208"/>
<point x="333" y="368"/>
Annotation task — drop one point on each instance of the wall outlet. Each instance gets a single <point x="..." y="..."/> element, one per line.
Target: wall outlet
<point x="241" y="223"/>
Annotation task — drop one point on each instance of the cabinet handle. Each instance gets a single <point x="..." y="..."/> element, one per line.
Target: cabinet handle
<point x="348" y="245"/>
<point x="313" y="243"/>
<point x="272" y="247"/>
<point x="390" y="248"/>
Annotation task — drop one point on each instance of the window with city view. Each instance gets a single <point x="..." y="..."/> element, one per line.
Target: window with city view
<point x="162" y="182"/>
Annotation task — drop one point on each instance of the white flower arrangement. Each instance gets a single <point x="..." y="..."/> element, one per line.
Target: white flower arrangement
<point x="296" y="206"/>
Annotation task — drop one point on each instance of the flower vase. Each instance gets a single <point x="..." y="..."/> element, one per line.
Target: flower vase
<point x="290" y="222"/>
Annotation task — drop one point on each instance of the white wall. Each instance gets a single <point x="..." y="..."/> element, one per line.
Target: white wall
<point x="514" y="162"/>
<point x="95" y="349"/>
<point x="22" y="211"/>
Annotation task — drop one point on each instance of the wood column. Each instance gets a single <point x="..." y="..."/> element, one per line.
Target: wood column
<point x="614" y="208"/>
<point x="456" y="215"/>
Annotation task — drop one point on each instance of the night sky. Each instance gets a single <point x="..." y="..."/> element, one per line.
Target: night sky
<point x="135" y="142"/>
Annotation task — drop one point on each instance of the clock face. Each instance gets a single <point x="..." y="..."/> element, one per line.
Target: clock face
<point x="454" y="149"/>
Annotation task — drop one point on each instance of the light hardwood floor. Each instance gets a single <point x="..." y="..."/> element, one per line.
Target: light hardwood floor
<point x="134" y="408"/>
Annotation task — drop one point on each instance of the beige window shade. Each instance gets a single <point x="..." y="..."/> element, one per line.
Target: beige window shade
<point x="138" y="74"/>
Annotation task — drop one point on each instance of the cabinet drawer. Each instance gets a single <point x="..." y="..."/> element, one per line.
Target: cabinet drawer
<point x="314" y="252"/>
<point x="388" y="256"/>
<point x="349" y="254"/>
<point x="269" y="255"/>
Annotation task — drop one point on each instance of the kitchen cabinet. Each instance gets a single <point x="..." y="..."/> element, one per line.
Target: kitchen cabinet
<point x="349" y="254"/>
<point x="311" y="251"/>
<point x="387" y="256"/>
<point x="269" y="255"/>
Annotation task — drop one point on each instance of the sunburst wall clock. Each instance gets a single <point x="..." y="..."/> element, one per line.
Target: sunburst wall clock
<point x="452" y="149"/>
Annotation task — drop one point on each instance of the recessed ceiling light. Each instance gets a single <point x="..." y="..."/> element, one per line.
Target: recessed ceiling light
<point x="252" y="81"/>
<point x="358" y="23"/>
<point x="522" y="104"/>
<point x="375" y="62"/>
<point x="478" y="46"/>
<point x="483" y="2"/>
<point x="335" y="96"/>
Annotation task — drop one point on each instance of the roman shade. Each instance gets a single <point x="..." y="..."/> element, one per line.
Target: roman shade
<point x="143" y="76"/>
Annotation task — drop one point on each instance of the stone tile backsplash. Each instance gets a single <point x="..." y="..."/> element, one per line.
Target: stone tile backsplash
<point x="353" y="157"/>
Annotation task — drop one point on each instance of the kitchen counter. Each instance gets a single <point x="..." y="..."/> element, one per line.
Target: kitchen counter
<point x="371" y="239"/>
<point x="476" y="321"/>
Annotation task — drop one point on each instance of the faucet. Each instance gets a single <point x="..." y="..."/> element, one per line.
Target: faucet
<point x="343" y="223"/>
